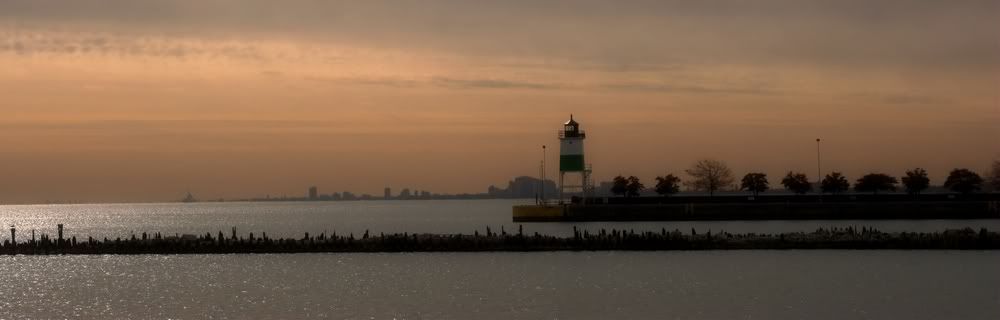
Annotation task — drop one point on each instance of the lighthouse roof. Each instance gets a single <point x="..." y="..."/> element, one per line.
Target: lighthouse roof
<point x="571" y="121"/>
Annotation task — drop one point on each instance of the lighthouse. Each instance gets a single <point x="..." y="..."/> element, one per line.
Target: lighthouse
<point x="571" y="160"/>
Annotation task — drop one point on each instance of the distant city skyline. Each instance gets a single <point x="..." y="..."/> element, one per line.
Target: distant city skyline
<point x="125" y="101"/>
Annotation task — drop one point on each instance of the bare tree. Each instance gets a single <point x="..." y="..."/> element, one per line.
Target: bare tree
<point x="709" y="175"/>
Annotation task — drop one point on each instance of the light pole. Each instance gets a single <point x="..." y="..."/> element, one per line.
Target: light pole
<point x="543" y="174"/>
<point x="819" y="171"/>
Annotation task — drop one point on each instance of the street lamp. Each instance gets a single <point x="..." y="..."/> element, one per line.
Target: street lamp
<point x="819" y="172"/>
<point x="543" y="174"/>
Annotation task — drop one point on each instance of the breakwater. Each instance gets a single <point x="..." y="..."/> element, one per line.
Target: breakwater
<point x="837" y="238"/>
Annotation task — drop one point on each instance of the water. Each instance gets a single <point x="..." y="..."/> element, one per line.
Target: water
<point x="292" y="219"/>
<point x="590" y="285"/>
<point x="569" y="285"/>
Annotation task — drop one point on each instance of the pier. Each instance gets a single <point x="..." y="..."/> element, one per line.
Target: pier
<point x="693" y="208"/>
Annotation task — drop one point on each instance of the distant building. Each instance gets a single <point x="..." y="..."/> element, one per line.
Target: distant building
<point x="313" y="193"/>
<point x="347" y="195"/>
<point x="523" y="187"/>
<point x="603" y="189"/>
<point x="189" y="198"/>
<point x="388" y="193"/>
<point x="405" y="194"/>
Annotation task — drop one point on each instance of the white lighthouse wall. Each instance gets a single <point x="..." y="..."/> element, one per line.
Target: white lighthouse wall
<point x="571" y="147"/>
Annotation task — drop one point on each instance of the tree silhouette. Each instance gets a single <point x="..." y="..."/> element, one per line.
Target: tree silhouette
<point x="619" y="186"/>
<point x="755" y="182"/>
<point x="835" y="183"/>
<point x="916" y="181"/>
<point x="668" y="185"/>
<point x="875" y="182"/>
<point x="634" y="187"/>
<point x="963" y="181"/>
<point x="709" y="175"/>
<point x="797" y="182"/>
<point x="994" y="175"/>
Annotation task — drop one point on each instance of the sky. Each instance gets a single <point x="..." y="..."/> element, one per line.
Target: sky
<point x="122" y="101"/>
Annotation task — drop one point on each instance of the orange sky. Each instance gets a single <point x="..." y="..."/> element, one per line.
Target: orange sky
<point x="114" y="100"/>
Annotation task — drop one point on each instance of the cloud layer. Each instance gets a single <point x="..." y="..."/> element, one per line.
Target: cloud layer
<point x="839" y="32"/>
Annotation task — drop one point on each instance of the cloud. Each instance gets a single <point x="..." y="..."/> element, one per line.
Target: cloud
<point x="118" y="45"/>
<point x="489" y="84"/>
<point x="640" y="46"/>
<point x="272" y="73"/>
<point x="641" y="34"/>
<point x="667" y="88"/>
<point x="438" y="81"/>
<point x="386" y="82"/>
<point x="910" y="100"/>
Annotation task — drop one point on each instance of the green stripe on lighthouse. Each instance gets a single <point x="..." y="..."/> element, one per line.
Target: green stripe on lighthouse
<point x="571" y="162"/>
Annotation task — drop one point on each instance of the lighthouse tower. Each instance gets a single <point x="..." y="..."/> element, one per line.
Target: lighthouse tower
<point x="571" y="160"/>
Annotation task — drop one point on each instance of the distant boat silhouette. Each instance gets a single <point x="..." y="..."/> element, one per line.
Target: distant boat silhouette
<point x="189" y="198"/>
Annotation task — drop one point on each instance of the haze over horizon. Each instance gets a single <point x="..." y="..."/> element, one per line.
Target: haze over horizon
<point x="117" y="100"/>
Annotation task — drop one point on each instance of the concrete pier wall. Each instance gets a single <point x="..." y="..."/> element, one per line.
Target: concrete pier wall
<point x="769" y="211"/>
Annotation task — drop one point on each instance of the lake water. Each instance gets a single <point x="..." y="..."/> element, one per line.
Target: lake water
<point x="823" y="284"/>
<point x="292" y="219"/>
<point x="569" y="285"/>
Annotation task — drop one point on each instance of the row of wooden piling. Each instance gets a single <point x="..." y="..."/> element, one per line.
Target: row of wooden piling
<point x="614" y="239"/>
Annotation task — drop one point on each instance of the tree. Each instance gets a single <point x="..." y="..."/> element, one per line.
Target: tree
<point x="875" y="182"/>
<point x="619" y="186"/>
<point x="963" y="181"/>
<point x="797" y="182"/>
<point x="835" y="183"/>
<point x="994" y="175"/>
<point x="755" y="182"/>
<point x="709" y="175"/>
<point x="634" y="187"/>
<point x="916" y="181"/>
<point x="668" y="185"/>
